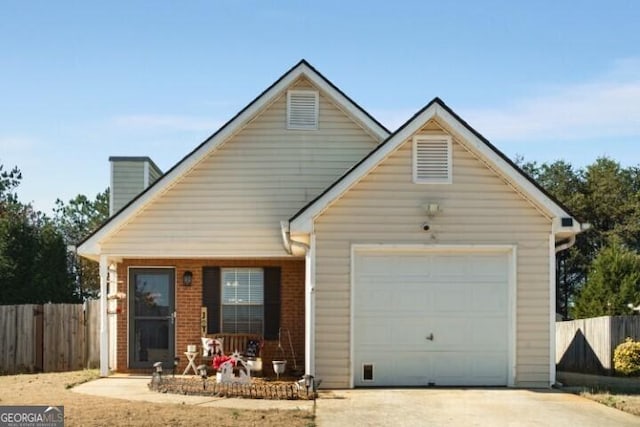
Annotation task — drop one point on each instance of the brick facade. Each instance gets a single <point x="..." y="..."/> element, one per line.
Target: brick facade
<point x="189" y="302"/>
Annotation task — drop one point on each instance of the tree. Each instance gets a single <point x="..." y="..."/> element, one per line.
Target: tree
<point x="52" y="282"/>
<point x="75" y="220"/>
<point x="613" y="283"/>
<point x="604" y="195"/>
<point x="613" y="203"/>
<point x="566" y="185"/>
<point x="32" y="253"/>
<point x="9" y="181"/>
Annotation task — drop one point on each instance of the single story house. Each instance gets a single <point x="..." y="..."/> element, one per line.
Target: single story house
<point x="369" y="258"/>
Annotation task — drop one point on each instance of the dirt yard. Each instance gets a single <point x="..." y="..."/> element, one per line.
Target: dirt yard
<point x="85" y="410"/>
<point x="624" y="402"/>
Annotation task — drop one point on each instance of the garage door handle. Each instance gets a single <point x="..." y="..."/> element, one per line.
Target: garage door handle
<point x="429" y="337"/>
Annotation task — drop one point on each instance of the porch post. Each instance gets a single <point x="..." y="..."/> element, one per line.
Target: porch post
<point x="113" y="320"/>
<point x="552" y="309"/>
<point x="104" y="331"/>
<point x="309" y="307"/>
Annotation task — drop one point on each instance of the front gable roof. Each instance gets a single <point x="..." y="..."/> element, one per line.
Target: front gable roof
<point x="90" y="247"/>
<point x="302" y="221"/>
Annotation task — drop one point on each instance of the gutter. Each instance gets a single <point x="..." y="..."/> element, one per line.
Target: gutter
<point x="565" y="244"/>
<point x="289" y="244"/>
<point x="569" y="242"/>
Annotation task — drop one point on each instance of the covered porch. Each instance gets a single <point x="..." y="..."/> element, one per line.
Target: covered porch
<point x="153" y="309"/>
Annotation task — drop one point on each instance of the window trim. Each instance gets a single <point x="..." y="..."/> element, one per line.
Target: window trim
<point x="316" y="109"/>
<point x="426" y="138"/>
<point x="222" y="303"/>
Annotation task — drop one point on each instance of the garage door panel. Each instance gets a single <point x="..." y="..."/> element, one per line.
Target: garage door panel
<point x="409" y="334"/>
<point x="450" y="367"/>
<point x="448" y="333"/>
<point x="374" y="332"/>
<point x="409" y="372"/>
<point x="448" y="266"/>
<point x="409" y="265"/>
<point x="489" y="333"/>
<point x="391" y="368"/>
<point x="402" y="299"/>
<point x="488" y="266"/>
<point x="409" y="300"/>
<point x="373" y="300"/>
<point x="489" y="297"/>
<point x="458" y="369"/>
<point x="449" y="297"/>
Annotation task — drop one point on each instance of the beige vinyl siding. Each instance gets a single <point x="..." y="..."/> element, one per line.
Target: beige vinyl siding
<point x="477" y="208"/>
<point x="128" y="182"/>
<point x="232" y="202"/>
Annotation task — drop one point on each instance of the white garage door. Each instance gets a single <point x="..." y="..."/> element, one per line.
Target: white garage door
<point x="424" y="318"/>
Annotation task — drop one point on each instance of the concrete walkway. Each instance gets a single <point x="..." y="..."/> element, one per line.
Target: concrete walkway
<point x="464" y="407"/>
<point x="135" y="388"/>
<point x="401" y="407"/>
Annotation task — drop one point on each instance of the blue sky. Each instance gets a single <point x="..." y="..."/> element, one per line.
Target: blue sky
<point x="80" y="81"/>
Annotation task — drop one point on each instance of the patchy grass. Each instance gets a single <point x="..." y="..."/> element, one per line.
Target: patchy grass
<point x="86" y="410"/>
<point x="624" y="402"/>
<point x="87" y="375"/>
<point x="622" y="393"/>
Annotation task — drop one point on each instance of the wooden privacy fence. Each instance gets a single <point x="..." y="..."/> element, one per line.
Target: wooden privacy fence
<point x="587" y="345"/>
<point x="49" y="337"/>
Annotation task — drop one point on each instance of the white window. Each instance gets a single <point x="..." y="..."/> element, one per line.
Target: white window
<point x="243" y="300"/>
<point x="432" y="159"/>
<point x="302" y="109"/>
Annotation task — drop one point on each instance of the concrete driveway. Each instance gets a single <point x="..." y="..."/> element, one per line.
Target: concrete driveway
<point x="464" y="407"/>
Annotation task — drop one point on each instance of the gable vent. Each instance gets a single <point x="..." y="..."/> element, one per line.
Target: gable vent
<point x="432" y="159"/>
<point x="302" y="109"/>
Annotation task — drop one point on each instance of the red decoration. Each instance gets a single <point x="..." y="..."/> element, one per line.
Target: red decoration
<point x="219" y="360"/>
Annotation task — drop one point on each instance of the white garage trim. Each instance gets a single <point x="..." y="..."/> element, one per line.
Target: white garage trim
<point x="443" y="249"/>
<point x="552" y="309"/>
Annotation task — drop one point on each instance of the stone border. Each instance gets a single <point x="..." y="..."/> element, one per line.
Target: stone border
<point x="209" y="387"/>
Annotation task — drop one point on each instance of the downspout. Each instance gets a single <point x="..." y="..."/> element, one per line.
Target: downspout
<point x="104" y="326"/>
<point x="309" y="292"/>
<point x="567" y="243"/>
<point x="558" y="247"/>
<point x="289" y="243"/>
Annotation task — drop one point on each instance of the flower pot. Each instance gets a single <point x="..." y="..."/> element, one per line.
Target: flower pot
<point x="255" y="364"/>
<point x="279" y="366"/>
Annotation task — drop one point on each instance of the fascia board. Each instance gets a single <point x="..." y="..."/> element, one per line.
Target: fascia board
<point x="344" y="103"/>
<point x="304" y="222"/>
<point x="189" y="162"/>
<point x="502" y="166"/>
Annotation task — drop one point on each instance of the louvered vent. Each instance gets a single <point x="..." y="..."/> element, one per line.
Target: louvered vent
<point x="302" y="109"/>
<point x="432" y="159"/>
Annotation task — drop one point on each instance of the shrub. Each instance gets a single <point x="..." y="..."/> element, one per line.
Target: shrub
<point x="626" y="358"/>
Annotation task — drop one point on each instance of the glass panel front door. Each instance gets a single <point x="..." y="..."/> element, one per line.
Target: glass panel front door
<point x="151" y="316"/>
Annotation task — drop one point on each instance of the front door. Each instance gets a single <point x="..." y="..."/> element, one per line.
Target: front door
<point x="151" y="316"/>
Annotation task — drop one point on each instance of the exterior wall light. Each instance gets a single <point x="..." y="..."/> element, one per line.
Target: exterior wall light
<point x="431" y="208"/>
<point x="187" y="278"/>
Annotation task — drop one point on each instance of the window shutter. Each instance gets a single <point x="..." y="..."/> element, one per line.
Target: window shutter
<point x="302" y="109"/>
<point x="271" y="302"/>
<point x="211" y="297"/>
<point x="432" y="159"/>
